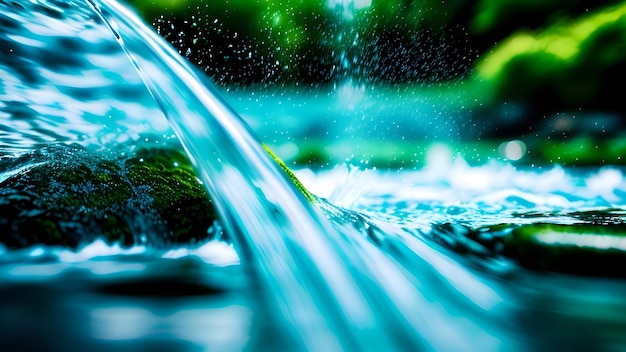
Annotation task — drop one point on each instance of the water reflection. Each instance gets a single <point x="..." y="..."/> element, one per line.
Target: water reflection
<point x="218" y="326"/>
<point x="105" y="297"/>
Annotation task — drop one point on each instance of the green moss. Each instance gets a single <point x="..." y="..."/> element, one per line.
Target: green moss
<point x="67" y="195"/>
<point x="308" y="195"/>
<point x="177" y="194"/>
<point x="595" y="250"/>
<point x="595" y="245"/>
<point x="491" y="13"/>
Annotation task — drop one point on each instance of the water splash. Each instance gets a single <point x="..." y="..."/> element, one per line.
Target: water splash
<point x="347" y="7"/>
<point x="328" y="293"/>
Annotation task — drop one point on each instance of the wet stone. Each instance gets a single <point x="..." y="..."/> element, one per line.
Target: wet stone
<point x="593" y="245"/>
<point x="581" y="249"/>
<point x="68" y="195"/>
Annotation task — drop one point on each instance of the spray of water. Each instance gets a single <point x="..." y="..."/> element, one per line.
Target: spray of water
<point x="331" y="291"/>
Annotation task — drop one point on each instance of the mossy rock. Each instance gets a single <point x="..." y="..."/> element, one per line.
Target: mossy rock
<point x="68" y="195"/>
<point x="177" y="194"/>
<point x="581" y="249"/>
<point x="593" y="246"/>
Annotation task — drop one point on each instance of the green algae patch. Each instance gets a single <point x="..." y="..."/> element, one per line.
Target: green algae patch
<point x="177" y="194"/>
<point x="582" y="249"/>
<point x="68" y="195"/>
<point x="594" y="246"/>
<point x="308" y="195"/>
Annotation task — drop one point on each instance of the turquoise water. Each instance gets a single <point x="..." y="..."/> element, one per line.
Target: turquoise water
<point x="368" y="266"/>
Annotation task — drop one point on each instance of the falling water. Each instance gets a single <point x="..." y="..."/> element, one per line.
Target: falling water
<point x="332" y="296"/>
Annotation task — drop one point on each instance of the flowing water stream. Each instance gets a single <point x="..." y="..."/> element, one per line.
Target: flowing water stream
<point x="378" y="260"/>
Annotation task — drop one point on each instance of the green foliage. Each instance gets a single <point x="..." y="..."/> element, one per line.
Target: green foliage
<point x="506" y="15"/>
<point x="313" y="42"/>
<point x="431" y="14"/>
<point x="244" y="41"/>
<point x="581" y="151"/>
<point x="308" y="195"/>
<point x="569" y="65"/>
<point x="67" y="195"/>
<point x="490" y="12"/>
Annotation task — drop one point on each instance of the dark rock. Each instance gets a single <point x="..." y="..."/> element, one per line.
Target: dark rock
<point x="594" y="245"/>
<point x="581" y="249"/>
<point x="68" y="195"/>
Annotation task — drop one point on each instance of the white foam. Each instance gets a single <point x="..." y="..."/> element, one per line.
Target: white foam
<point x="96" y="249"/>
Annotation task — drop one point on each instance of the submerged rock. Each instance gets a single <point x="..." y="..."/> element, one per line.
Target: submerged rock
<point x="68" y="195"/>
<point x="582" y="249"/>
<point x="594" y="247"/>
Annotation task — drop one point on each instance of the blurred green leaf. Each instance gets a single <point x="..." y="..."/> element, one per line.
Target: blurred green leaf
<point x="568" y="65"/>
